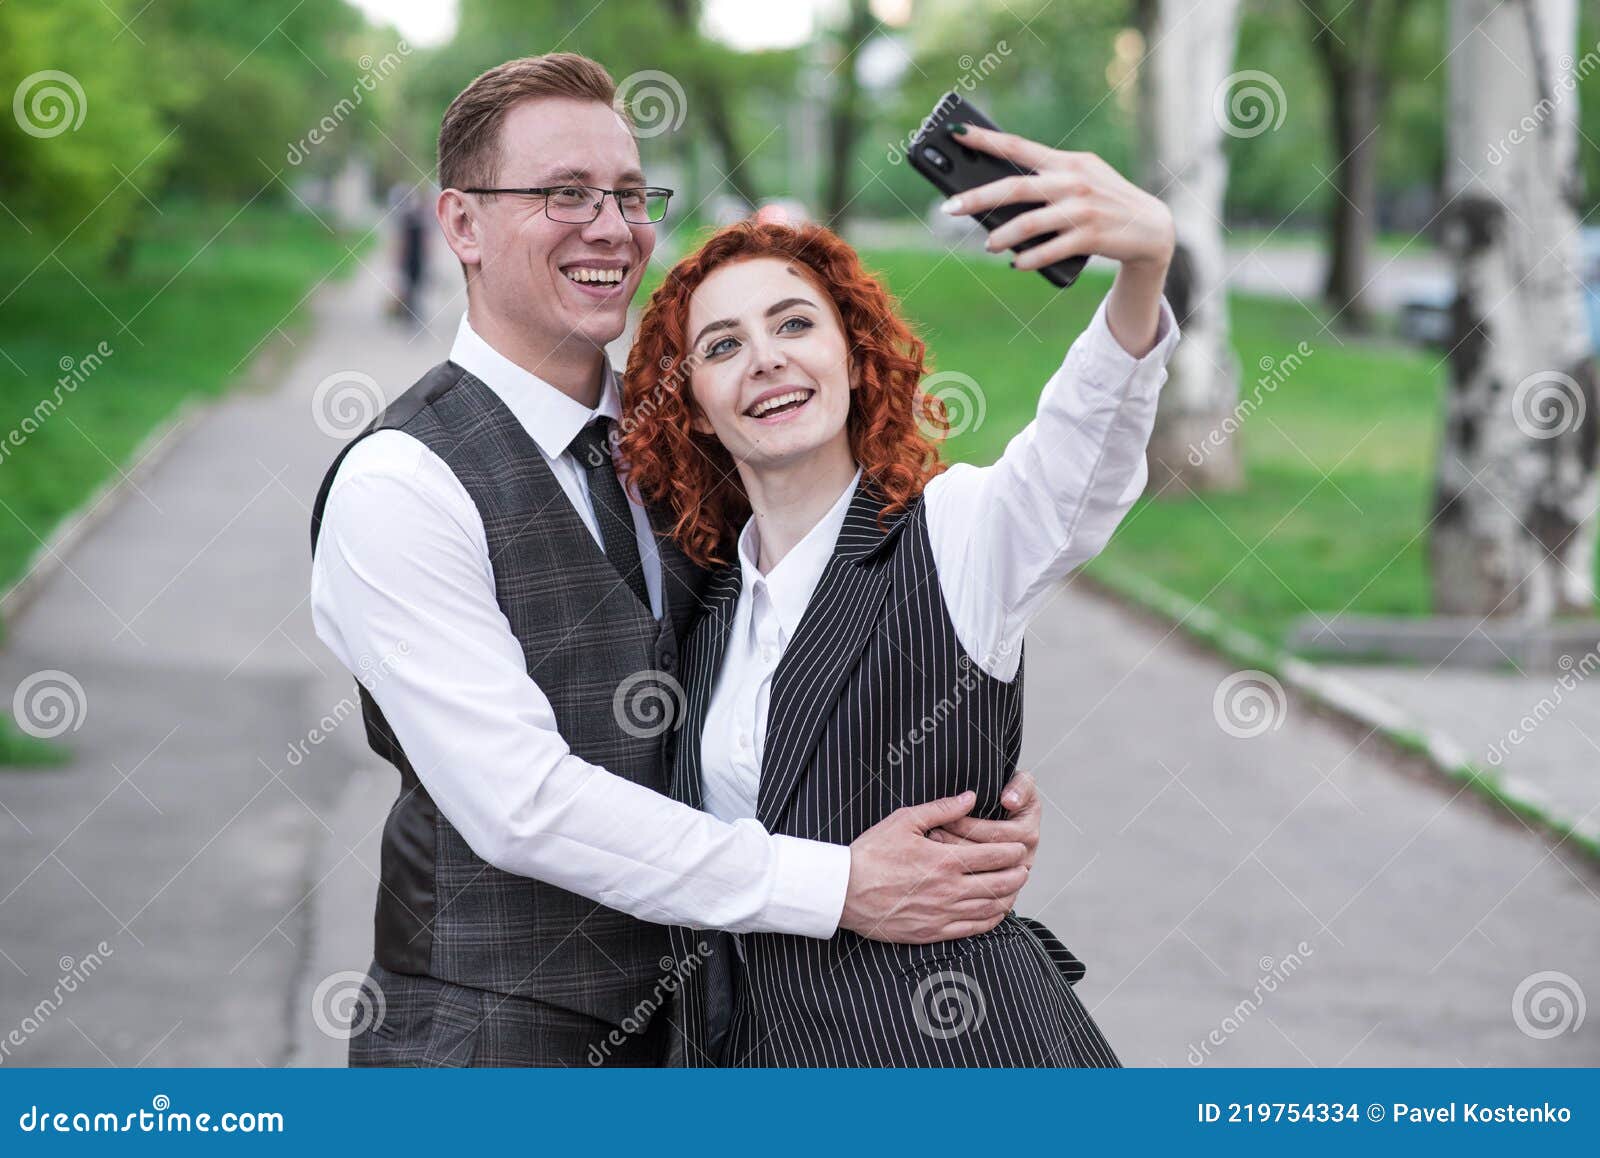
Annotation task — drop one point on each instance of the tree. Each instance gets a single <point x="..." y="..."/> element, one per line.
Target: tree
<point x="844" y="112"/>
<point x="1514" y="508"/>
<point x="1190" y="48"/>
<point x="1358" y="48"/>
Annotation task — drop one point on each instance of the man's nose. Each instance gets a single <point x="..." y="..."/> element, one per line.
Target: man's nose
<point x="609" y="225"/>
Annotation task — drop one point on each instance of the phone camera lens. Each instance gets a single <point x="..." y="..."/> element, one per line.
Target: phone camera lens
<point x="935" y="158"/>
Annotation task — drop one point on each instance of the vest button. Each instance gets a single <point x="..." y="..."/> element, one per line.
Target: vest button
<point x="666" y="662"/>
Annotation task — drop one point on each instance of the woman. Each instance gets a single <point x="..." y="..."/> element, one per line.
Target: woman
<point x="862" y="643"/>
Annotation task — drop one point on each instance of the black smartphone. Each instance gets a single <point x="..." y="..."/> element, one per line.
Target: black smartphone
<point x="954" y="168"/>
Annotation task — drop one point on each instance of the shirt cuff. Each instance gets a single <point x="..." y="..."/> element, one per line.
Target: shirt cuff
<point x="808" y="893"/>
<point x="1102" y="359"/>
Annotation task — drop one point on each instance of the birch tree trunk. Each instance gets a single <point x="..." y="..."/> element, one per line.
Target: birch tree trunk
<point x="1515" y="499"/>
<point x="1186" y="103"/>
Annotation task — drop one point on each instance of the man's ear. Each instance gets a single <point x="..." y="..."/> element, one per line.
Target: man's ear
<point x="459" y="224"/>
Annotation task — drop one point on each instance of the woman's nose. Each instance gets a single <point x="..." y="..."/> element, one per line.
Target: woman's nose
<point x="766" y="359"/>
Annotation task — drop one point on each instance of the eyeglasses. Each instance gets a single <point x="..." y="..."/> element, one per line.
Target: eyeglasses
<point x="581" y="204"/>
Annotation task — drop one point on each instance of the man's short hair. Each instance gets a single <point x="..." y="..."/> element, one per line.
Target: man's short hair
<point x="469" y="135"/>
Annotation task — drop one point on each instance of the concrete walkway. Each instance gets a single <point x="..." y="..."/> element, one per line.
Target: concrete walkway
<point x="1285" y="265"/>
<point x="1297" y="897"/>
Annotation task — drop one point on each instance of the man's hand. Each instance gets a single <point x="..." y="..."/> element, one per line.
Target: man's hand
<point x="1021" y="800"/>
<point x="907" y="888"/>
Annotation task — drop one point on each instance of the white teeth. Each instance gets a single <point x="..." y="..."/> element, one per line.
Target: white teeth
<point x="778" y="400"/>
<point x="584" y="274"/>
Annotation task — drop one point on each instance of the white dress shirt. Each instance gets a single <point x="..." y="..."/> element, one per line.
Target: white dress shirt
<point x="402" y="579"/>
<point x="1001" y="536"/>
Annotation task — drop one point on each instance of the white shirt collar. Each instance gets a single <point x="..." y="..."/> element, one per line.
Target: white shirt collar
<point x="552" y="418"/>
<point x="790" y="584"/>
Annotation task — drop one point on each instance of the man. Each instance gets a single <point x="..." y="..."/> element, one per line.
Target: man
<point x="475" y="547"/>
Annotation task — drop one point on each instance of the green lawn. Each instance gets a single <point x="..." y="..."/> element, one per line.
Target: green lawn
<point x="1364" y="412"/>
<point x="203" y="289"/>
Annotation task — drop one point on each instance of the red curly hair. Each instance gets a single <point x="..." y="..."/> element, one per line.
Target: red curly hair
<point x="894" y="428"/>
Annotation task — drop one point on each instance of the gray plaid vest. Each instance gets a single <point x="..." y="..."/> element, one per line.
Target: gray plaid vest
<point x="442" y="911"/>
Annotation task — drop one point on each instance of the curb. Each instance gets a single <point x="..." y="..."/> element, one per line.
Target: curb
<point x="48" y="560"/>
<point x="1441" y="751"/>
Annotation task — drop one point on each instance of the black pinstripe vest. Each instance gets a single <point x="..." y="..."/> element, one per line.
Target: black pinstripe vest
<point x="442" y="911"/>
<point x="875" y="705"/>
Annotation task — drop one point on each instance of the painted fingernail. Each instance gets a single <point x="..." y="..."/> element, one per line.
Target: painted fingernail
<point x="959" y="130"/>
<point x="952" y="206"/>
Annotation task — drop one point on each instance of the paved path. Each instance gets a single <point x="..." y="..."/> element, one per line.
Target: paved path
<point x="1301" y="895"/>
<point x="1287" y="265"/>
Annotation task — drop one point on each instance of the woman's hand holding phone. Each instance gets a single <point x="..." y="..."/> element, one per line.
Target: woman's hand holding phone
<point x="1092" y="209"/>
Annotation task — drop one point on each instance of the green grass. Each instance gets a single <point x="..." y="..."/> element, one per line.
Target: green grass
<point x="1289" y="542"/>
<point x="199" y="297"/>
<point x="203" y="289"/>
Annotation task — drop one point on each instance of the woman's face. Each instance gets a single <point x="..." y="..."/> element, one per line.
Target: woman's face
<point x="771" y="372"/>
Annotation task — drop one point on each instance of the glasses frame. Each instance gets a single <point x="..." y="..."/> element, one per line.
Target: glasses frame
<point x="600" y="201"/>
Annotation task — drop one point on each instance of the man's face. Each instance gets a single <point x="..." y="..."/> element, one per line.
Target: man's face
<point x="557" y="281"/>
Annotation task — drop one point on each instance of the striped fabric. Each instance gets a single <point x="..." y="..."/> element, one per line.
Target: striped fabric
<point x="876" y="705"/>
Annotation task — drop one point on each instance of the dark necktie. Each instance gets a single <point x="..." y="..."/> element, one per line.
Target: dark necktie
<point x="592" y="449"/>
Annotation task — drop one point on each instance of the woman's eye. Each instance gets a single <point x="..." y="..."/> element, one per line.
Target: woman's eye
<point x="804" y="325"/>
<point x="720" y="346"/>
